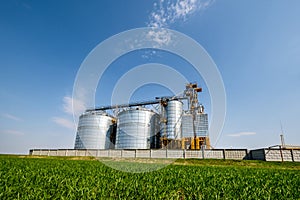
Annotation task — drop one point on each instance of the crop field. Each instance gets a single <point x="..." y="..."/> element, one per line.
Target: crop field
<point x="25" y="177"/>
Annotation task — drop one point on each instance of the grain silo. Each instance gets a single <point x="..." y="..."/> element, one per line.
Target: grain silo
<point x="174" y="114"/>
<point x="187" y="125"/>
<point x="94" y="131"/>
<point x="137" y="128"/>
<point x="201" y="125"/>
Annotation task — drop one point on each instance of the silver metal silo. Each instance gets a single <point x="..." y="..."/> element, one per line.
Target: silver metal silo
<point x="187" y="125"/>
<point x="137" y="128"/>
<point x="201" y="125"/>
<point x="174" y="114"/>
<point x="94" y="130"/>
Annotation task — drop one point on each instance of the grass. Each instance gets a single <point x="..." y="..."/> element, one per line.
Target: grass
<point x="240" y="163"/>
<point x="27" y="177"/>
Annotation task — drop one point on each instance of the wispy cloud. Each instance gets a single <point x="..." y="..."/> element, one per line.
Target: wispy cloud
<point x="64" y="123"/>
<point x="160" y="37"/>
<point x="12" y="117"/>
<point x="241" y="134"/>
<point x="72" y="106"/>
<point x="12" y="132"/>
<point x="168" y="12"/>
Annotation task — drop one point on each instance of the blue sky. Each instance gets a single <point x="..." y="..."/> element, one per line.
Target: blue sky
<point x="255" y="45"/>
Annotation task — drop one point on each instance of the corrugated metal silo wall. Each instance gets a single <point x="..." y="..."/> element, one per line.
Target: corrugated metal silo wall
<point x="201" y="125"/>
<point x="187" y="126"/>
<point x="174" y="112"/>
<point x="137" y="129"/>
<point x="93" y="131"/>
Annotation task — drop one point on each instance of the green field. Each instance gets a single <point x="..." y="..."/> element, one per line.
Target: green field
<point x="25" y="177"/>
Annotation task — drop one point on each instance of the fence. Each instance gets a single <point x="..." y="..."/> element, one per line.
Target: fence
<point x="237" y="154"/>
<point x="292" y="155"/>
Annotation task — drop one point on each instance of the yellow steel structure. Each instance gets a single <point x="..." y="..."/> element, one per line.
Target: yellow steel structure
<point x="186" y="143"/>
<point x="195" y="143"/>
